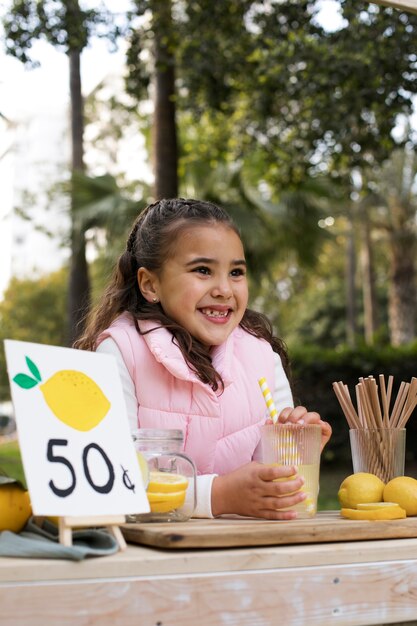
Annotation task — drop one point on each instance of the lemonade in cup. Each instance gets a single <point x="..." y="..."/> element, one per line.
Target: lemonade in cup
<point x="299" y="445"/>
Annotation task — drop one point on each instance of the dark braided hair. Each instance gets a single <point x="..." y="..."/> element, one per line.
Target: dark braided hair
<point x="154" y="234"/>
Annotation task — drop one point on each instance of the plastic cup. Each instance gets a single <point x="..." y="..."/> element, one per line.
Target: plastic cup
<point x="295" y="444"/>
<point x="379" y="451"/>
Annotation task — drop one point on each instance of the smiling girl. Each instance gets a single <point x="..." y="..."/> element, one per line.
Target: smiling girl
<point x="190" y="354"/>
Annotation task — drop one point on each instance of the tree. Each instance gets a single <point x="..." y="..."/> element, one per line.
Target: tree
<point x="68" y="27"/>
<point x="164" y="119"/>
<point x="100" y="205"/>
<point x="154" y="33"/>
<point x="396" y="210"/>
<point x="371" y="83"/>
<point x="304" y="101"/>
<point x="175" y="47"/>
<point x="32" y="310"/>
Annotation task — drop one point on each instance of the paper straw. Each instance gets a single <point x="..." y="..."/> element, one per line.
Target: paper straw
<point x="268" y="399"/>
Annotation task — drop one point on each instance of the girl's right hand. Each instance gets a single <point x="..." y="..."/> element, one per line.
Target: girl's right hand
<point x="250" y="491"/>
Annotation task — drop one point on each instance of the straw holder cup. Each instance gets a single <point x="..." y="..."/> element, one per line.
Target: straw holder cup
<point x="379" y="451"/>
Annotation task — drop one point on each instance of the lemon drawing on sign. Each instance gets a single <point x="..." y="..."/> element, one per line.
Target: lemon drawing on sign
<point x="73" y="397"/>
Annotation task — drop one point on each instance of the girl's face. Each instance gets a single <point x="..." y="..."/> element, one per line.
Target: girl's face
<point x="202" y="284"/>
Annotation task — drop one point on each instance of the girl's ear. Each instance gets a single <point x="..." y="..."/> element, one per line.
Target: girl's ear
<point x="147" y="283"/>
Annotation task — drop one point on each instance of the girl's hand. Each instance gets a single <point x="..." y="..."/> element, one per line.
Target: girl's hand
<point x="300" y="415"/>
<point x="249" y="491"/>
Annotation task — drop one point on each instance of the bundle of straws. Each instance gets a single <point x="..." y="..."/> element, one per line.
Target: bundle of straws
<point x="375" y="418"/>
<point x="370" y="413"/>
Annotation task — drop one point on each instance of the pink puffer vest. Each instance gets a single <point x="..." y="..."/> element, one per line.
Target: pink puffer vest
<point x="221" y="430"/>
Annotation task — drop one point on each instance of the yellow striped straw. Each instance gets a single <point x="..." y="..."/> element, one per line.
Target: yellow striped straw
<point x="268" y="399"/>
<point x="288" y="447"/>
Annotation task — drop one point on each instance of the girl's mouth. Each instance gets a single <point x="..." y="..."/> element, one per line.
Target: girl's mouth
<point x="216" y="315"/>
<point x="215" y="312"/>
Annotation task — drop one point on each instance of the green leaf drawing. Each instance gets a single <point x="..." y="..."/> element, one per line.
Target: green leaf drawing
<point x="33" y="369"/>
<point x="25" y="381"/>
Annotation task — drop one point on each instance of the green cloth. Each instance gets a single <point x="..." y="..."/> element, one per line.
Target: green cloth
<point x="43" y="543"/>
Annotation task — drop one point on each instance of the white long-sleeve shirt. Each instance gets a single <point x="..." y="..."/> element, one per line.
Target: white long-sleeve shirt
<point x="281" y="394"/>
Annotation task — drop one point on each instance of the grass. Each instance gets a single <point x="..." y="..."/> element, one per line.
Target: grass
<point x="330" y="477"/>
<point x="10" y="460"/>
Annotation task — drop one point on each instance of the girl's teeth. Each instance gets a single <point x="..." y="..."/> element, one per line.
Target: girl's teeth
<point x="214" y="313"/>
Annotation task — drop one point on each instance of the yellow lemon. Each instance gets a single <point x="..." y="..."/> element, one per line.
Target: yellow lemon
<point x="15" y="507"/>
<point x="165" y="482"/>
<point x="403" y="490"/>
<point x="389" y="512"/>
<point x="164" y="502"/>
<point x="75" y="399"/>
<point x="360" y="487"/>
<point x="144" y="468"/>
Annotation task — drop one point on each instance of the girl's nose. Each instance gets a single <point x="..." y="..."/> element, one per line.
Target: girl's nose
<point x="222" y="289"/>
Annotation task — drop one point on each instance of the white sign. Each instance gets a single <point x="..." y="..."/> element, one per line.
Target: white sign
<point x="77" y="451"/>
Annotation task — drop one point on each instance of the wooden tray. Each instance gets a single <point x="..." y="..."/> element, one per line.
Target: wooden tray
<point x="227" y="532"/>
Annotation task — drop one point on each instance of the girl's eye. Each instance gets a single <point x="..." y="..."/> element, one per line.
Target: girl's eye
<point x="239" y="271"/>
<point x="202" y="270"/>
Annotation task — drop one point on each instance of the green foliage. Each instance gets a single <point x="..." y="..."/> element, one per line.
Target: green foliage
<point x="63" y="24"/>
<point x="212" y="64"/>
<point x="98" y="201"/>
<point x="11" y="461"/>
<point x="293" y="96"/>
<point x="33" y="310"/>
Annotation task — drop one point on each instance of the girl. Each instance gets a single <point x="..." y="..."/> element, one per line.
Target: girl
<point x="190" y="354"/>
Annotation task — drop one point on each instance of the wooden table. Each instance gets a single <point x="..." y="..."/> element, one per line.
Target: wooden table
<point x="347" y="582"/>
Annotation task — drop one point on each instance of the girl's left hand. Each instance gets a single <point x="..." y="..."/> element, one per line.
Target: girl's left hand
<point x="300" y="415"/>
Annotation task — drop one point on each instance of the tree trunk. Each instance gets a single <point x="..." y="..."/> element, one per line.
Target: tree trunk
<point x="79" y="283"/>
<point x="351" y="329"/>
<point x="402" y="295"/>
<point x="165" y="149"/>
<point x="368" y="281"/>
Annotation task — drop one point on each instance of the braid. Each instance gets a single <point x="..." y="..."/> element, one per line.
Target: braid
<point x="130" y="244"/>
<point x="131" y="241"/>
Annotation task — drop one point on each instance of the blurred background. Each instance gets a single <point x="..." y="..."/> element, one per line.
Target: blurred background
<point x="297" y="116"/>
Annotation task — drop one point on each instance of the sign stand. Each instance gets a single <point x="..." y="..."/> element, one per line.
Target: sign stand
<point x="66" y="525"/>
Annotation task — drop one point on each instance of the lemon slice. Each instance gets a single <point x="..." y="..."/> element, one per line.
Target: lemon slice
<point x="144" y="468"/>
<point x="384" y="513"/>
<point x="164" y="502"/>
<point x="375" y="506"/>
<point x="165" y="482"/>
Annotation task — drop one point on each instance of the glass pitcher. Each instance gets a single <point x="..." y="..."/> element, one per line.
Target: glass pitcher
<point x="171" y="488"/>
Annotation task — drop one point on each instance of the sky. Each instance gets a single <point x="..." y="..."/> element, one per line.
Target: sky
<point x="42" y="94"/>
